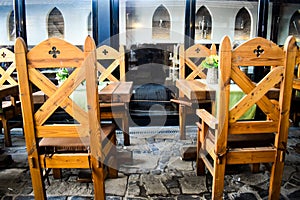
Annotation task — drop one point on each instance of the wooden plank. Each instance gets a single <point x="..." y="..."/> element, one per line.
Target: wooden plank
<point x="194" y="90"/>
<point x="105" y="95"/>
<point x="296" y="84"/>
<point x="251" y="155"/>
<point x="81" y="160"/>
<point x="29" y="130"/>
<point x="208" y="118"/>
<point x="123" y="92"/>
<point x="255" y="127"/>
<point x="62" y="130"/>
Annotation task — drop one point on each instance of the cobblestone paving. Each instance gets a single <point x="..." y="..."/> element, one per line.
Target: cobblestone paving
<point x="154" y="170"/>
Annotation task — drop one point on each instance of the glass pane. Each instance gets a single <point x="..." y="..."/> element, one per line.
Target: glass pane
<point x="69" y="20"/>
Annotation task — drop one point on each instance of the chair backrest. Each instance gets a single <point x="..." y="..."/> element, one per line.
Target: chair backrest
<point x="258" y="52"/>
<point x="109" y="60"/>
<point x="192" y="58"/>
<point x="55" y="53"/>
<point x="7" y="61"/>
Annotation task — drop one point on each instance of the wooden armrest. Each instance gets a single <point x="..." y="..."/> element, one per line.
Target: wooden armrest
<point x="207" y="118"/>
<point x="108" y="105"/>
<point x="186" y="103"/>
<point x="296" y="84"/>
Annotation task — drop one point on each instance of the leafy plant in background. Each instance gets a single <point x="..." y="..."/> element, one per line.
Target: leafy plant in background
<point x="211" y="61"/>
<point x="62" y="74"/>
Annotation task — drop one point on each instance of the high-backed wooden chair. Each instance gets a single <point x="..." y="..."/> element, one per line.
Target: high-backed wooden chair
<point x="81" y="144"/>
<point x="111" y="66"/>
<point x="226" y="139"/>
<point x="10" y="106"/>
<point x="295" y="108"/>
<point x="189" y="69"/>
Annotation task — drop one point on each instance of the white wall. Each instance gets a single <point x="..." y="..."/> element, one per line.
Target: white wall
<point x="75" y="17"/>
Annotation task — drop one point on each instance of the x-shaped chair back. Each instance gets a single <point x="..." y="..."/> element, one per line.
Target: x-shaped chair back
<point x="7" y="57"/>
<point x="55" y="53"/>
<point x="235" y="141"/>
<point x="192" y="58"/>
<point x="113" y="60"/>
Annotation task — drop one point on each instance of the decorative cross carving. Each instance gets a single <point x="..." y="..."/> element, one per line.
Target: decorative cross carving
<point x="54" y="52"/>
<point x="258" y="51"/>
<point x="197" y="50"/>
<point x="3" y="55"/>
<point x="105" y="52"/>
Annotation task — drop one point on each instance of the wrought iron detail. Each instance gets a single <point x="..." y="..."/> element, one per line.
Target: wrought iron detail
<point x="54" y="52"/>
<point x="105" y="52"/>
<point x="258" y="51"/>
<point x="3" y="54"/>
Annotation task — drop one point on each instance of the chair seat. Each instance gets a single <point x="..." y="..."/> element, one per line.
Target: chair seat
<point x="78" y="143"/>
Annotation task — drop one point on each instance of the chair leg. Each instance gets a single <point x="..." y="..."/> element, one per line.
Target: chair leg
<point x="218" y="179"/>
<point x="125" y="128"/>
<point x="275" y="179"/>
<point x="98" y="179"/>
<point x="113" y="161"/>
<point x="255" y="167"/>
<point x="37" y="180"/>
<point x="200" y="166"/>
<point x="7" y="136"/>
<point x="57" y="173"/>
<point x="182" y="121"/>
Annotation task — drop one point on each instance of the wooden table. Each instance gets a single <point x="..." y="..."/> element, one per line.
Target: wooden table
<point x="7" y="90"/>
<point x="117" y="92"/>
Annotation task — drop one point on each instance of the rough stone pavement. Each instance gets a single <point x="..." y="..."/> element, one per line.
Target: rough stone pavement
<point x="156" y="171"/>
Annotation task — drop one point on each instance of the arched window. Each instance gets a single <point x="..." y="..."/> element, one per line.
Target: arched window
<point x="203" y="24"/>
<point x="294" y="28"/>
<point x="56" y="25"/>
<point x="11" y="27"/>
<point x="161" y="23"/>
<point x="242" y="26"/>
<point x="89" y="24"/>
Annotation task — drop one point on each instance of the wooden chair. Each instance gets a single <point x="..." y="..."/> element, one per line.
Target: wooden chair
<point x="111" y="61"/>
<point x="295" y="108"/>
<point x="81" y="144"/>
<point x="189" y="69"/>
<point x="11" y="107"/>
<point x="227" y="140"/>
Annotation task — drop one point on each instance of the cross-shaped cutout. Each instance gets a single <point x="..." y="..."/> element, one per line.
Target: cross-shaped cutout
<point x="3" y="55"/>
<point x="197" y="50"/>
<point x="105" y="52"/>
<point x="54" y="52"/>
<point x="258" y="51"/>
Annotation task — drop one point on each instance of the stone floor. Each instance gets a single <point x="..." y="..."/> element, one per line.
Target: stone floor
<point x="155" y="171"/>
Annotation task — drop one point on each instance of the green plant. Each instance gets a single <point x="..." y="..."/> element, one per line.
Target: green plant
<point x="211" y="61"/>
<point x="62" y="74"/>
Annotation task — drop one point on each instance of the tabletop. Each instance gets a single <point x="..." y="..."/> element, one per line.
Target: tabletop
<point x="6" y="90"/>
<point x="110" y="92"/>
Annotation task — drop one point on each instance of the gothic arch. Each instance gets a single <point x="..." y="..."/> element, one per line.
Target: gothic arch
<point x="161" y="23"/>
<point x="56" y="24"/>
<point x="242" y="27"/>
<point x="294" y="27"/>
<point x="11" y="27"/>
<point x="89" y="24"/>
<point x="203" y="24"/>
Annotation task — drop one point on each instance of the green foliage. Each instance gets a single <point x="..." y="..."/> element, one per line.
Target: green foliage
<point x="211" y="61"/>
